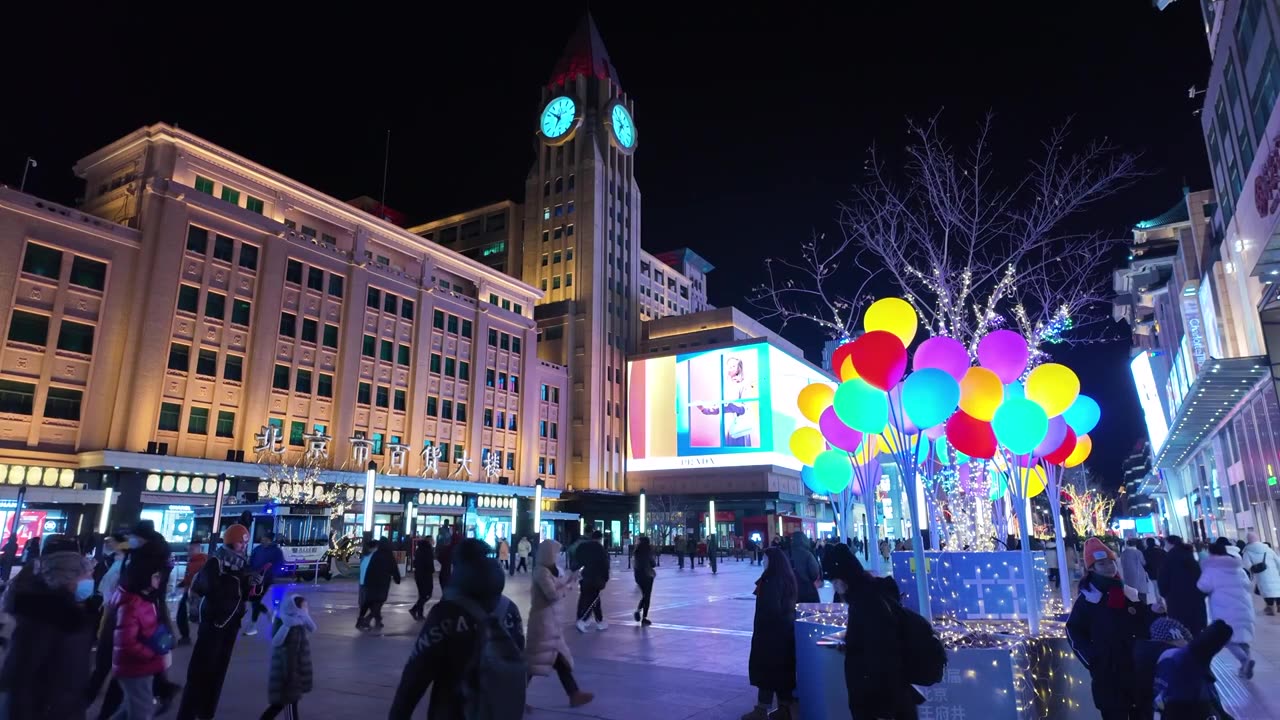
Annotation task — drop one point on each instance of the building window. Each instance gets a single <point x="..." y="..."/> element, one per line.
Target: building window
<point x="370" y="347"/>
<point x="88" y="273"/>
<point x="488" y="418"/>
<point x="555" y="282"/>
<point x="204" y="185"/>
<point x="197" y="239"/>
<point x="462" y="412"/>
<point x="233" y="368"/>
<point x="215" y="305"/>
<point x="293" y="272"/>
<point x="302" y="382"/>
<point x="198" y="421"/>
<point x="170" y="416"/>
<point x="542" y="428"/>
<point x="207" y="363"/>
<point x="324" y="385"/>
<point x="231" y="196"/>
<point x="280" y="380"/>
<point x="179" y="357"/>
<point x="435" y="363"/>
<point x="29" y="328"/>
<point x="253" y="204"/>
<point x="224" y="248"/>
<point x="493" y="337"/>
<point x="188" y="298"/>
<point x="1266" y="92"/>
<point x="453" y="324"/>
<point x="432" y="410"/>
<point x="400" y="401"/>
<point x="330" y="336"/>
<point x="446" y="409"/>
<point x="1246" y="25"/>
<point x="389" y="303"/>
<point x="555" y="430"/>
<point x="63" y="404"/>
<point x="309" y="330"/>
<point x="373" y="298"/>
<point x="552" y="466"/>
<point x="502" y="381"/>
<point x="512" y="426"/>
<point x="402" y="354"/>
<point x="387" y="351"/>
<point x="505" y="343"/>
<point x="226" y="420"/>
<point x="363" y="392"/>
<point x="464" y="370"/>
<point x="490" y="376"/>
<point x="450" y="366"/>
<point x="335" y="285"/>
<point x="288" y="324"/>
<point x="515" y="345"/>
<point x="239" y="311"/>
<point x="383" y="397"/>
<point x="542" y="465"/>
<point x="437" y="320"/>
<point x="315" y="279"/>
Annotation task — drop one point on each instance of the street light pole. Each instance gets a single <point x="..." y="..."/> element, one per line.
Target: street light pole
<point x="370" y="477"/>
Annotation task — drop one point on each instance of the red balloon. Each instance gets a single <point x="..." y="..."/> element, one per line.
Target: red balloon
<point x="838" y="357"/>
<point x="879" y="358"/>
<point x="1059" y="456"/>
<point x="971" y="436"/>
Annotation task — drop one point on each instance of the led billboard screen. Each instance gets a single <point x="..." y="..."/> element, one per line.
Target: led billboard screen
<point x="1152" y="409"/>
<point x="716" y="408"/>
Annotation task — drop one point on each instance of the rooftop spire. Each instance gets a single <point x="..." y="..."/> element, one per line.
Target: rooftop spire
<point x="584" y="55"/>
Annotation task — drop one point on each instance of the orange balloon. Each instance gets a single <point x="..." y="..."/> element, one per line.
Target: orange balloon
<point x="813" y="399"/>
<point x="981" y="392"/>
<point x="1084" y="446"/>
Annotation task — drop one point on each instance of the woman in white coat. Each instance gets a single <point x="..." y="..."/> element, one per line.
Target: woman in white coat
<point x="545" y="649"/>
<point x="1263" y="562"/>
<point x="1229" y="588"/>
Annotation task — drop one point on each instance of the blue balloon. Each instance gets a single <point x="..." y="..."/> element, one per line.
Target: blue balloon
<point x="810" y="479"/>
<point x="923" y="450"/>
<point x="861" y="406"/>
<point x="1020" y="425"/>
<point x="929" y="397"/>
<point x="1083" y="415"/>
<point x="833" y="470"/>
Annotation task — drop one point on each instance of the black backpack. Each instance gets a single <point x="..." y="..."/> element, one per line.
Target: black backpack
<point x="924" y="657"/>
<point x="493" y="687"/>
<point x="216" y="595"/>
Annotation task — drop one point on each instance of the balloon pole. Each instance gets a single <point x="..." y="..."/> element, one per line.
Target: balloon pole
<point x="868" y="478"/>
<point x="904" y="449"/>
<point x="1017" y="482"/>
<point x="1055" y="506"/>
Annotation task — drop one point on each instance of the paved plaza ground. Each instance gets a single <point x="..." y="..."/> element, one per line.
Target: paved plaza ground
<point x="691" y="664"/>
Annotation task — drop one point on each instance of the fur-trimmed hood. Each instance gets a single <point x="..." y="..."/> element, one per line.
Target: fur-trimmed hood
<point x="291" y="616"/>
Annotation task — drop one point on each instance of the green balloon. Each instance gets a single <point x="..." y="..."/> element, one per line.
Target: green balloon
<point x="861" y="406"/>
<point x="1020" y="425"/>
<point x="834" y="470"/>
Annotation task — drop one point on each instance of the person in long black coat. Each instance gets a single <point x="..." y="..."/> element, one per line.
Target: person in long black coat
<point x="771" y="667"/>
<point x="382" y="570"/>
<point x="1177" y="581"/>
<point x="874" y="665"/>
<point x="424" y="569"/>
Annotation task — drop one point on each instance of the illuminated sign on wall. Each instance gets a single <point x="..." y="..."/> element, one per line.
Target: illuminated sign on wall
<point x="1152" y="409"/>
<point x="1212" y="339"/>
<point x="1194" y="324"/>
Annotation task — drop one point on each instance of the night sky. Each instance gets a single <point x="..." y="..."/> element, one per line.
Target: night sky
<point x="753" y="125"/>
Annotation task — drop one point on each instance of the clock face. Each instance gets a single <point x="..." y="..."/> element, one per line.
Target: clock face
<point x="623" y="129"/>
<point x="558" y="116"/>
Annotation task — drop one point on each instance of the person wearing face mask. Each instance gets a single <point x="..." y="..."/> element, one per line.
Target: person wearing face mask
<point x="771" y="666"/>
<point x="46" y="670"/>
<point x="1106" y="621"/>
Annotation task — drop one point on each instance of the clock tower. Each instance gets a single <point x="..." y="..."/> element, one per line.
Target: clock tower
<point x="581" y="247"/>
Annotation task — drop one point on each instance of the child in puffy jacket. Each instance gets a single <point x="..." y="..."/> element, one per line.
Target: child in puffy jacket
<point x="141" y="640"/>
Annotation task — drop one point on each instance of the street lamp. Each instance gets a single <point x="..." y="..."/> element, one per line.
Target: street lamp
<point x="220" y="495"/>
<point x="105" y="512"/>
<point x="643" y="512"/>
<point x="711" y="517"/>
<point x="408" y="518"/>
<point x="515" y="501"/>
<point x="370" y="476"/>
<point x="537" y="511"/>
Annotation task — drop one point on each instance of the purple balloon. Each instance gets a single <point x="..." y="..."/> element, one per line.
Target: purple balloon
<point x="944" y="353"/>
<point x="838" y="434"/>
<point x="1003" y="352"/>
<point x="1053" y="437"/>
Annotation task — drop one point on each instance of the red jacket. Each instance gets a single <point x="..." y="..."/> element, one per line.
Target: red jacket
<point x="136" y="623"/>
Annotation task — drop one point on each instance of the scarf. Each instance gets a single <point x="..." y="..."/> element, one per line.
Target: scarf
<point x="230" y="560"/>
<point x="1110" y="587"/>
<point x="291" y="616"/>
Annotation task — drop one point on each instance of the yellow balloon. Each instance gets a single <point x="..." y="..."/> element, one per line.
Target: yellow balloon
<point x="806" y="443"/>
<point x="981" y="392"/>
<point x="847" y="371"/>
<point x="1084" y="446"/>
<point x="1053" y="387"/>
<point x="886" y="445"/>
<point x="893" y="315"/>
<point x="1033" y="480"/>
<point x="814" y="399"/>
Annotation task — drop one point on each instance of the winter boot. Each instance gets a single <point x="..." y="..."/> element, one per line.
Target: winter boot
<point x="759" y="712"/>
<point x="786" y="711"/>
<point x="580" y="698"/>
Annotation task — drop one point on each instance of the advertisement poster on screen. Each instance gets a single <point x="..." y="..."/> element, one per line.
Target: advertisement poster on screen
<point x="716" y="408"/>
<point x="1149" y="396"/>
<point x="30" y="525"/>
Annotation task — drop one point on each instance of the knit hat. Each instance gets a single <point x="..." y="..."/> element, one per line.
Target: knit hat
<point x="1094" y="550"/>
<point x="1252" y="537"/>
<point x="1168" y="630"/>
<point x="235" y="534"/>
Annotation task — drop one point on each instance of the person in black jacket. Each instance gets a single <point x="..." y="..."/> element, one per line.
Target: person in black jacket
<point x="594" y="560"/>
<point x="1153" y="556"/>
<point x="644" y="566"/>
<point x="874" y="674"/>
<point x="424" y="568"/>
<point x="841" y="565"/>
<point x="1106" y="620"/>
<point x="376" y="583"/>
<point x="771" y="667"/>
<point x="447" y="645"/>
<point x="1177" y="581"/>
<point x="46" y="670"/>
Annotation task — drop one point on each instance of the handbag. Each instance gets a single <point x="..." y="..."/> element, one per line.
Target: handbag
<point x="1261" y="567"/>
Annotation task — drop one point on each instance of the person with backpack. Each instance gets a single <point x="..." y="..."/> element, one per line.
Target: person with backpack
<point x="1184" y="684"/>
<point x="806" y="567"/>
<point x="141" y="639"/>
<point x="291" y="676"/>
<point x="1264" y="565"/>
<point x="266" y="560"/>
<point x="645" y="570"/>
<point x="1229" y="588"/>
<point x="424" y="569"/>
<point x="377" y="570"/>
<point x="545" y="648"/>
<point x="594" y="562"/>
<point x="1106" y="620"/>
<point x="771" y="666"/>
<point x="221" y="590"/>
<point x="470" y="651"/>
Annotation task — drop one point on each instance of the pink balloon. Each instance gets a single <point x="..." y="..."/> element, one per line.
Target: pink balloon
<point x="1003" y="352"/>
<point x="1053" y="437"/>
<point x="838" y="434"/>
<point x="936" y="431"/>
<point x="944" y="353"/>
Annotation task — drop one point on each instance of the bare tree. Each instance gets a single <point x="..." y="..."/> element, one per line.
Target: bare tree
<point x="666" y="517"/>
<point x="971" y="253"/>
